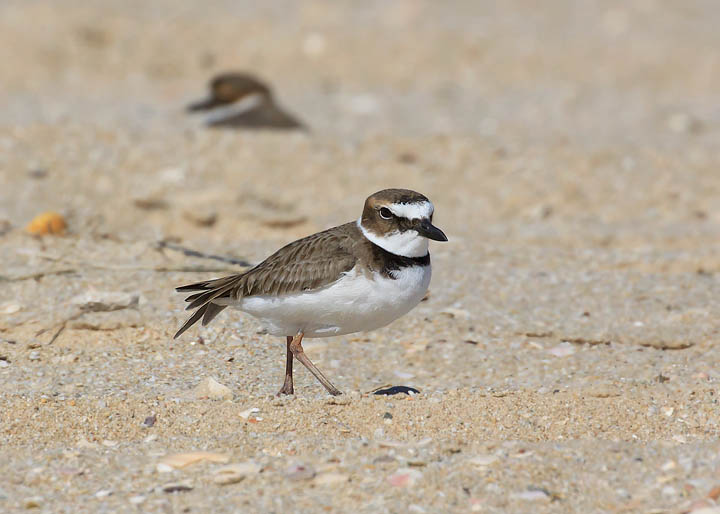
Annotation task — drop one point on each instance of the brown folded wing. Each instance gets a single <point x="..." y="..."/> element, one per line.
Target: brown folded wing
<point x="306" y="264"/>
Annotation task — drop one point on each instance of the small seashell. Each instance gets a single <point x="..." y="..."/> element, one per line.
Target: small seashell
<point x="247" y="413"/>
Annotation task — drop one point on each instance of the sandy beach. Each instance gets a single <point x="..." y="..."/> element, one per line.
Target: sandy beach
<point x="566" y="356"/>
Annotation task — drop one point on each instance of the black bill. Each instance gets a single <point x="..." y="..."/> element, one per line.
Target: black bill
<point x="203" y="105"/>
<point x="427" y="229"/>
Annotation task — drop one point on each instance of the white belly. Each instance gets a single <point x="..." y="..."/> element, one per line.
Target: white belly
<point x="354" y="303"/>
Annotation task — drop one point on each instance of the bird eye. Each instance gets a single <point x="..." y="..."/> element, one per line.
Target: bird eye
<point x="385" y="213"/>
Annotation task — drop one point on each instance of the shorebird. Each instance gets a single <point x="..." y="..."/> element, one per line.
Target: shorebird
<point x="355" y="277"/>
<point x="257" y="104"/>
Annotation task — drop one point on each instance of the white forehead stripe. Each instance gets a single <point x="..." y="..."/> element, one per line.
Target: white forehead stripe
<point x="412" y="211"/>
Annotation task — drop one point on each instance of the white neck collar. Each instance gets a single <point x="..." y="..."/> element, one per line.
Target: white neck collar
<point x="405" y="244"/>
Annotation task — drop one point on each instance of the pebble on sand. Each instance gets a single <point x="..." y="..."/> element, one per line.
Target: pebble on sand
<point x="10" y="308"/>
<point x="200" y="216"/>
<point x="213" y="390"/>
<point x="532" y="495"/>
<point x="150" y="203"/>
<point x="234" y="473"/>
<point x="297" y="472"/>
<point x="149" y="421"/>
<point x="33" y="503"/>
<point x="404" y="477"/>
<point x="248" y="412"/>
<point x="137" y="500"/>
<point x="330" y="479"/>
<point x="106" y="301"/>
<point x="483" y="460"/>
<point x="562" y="350"/>
<point x="182" y="460"/>
<point x="176" y="488"/>
<point x="47" y="223"/>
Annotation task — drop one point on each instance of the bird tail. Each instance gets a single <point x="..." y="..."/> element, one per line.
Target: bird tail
<point x="209" y="291"/>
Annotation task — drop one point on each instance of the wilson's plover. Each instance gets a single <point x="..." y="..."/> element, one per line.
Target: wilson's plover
<point x="355" y="277"/>
<point x="256" y="106"/>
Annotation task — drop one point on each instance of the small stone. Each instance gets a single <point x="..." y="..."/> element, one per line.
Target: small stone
<point x="342" y="399"/>
<point x="562" y="350"/>
<point x="105" y="301"/>
<point x="84" y="443"/>
<point x="404" y="477"/>
<point x="330" y="479"/>
<point x="669" y="490"/>
<point x="669" y="465"/>
<point x="176" y="488"/>
<point x="37" y="173"/>
<point x="47" y="223"/>
<point x="103" y="493"/>
<point x="249" y="412"/>
<point x="164" y="468"/>
<point x="200" y="216"/>
<point x="234" y="473"/>
<point x="298" y="472"/>
<point x="453" y="312"/>
<point x="363" y="104"/>
<point x="150" y="203"/>
<point x="10" y="308"/>
<point x="172" y="175"/>
<point x="34" y="502"/>
<point x="603" y="391"/>
<point x="384" y="459"/>
<point x="682" y="122"/>
<point x="533" y="495"/>
<point x="714" y="493"/>
<point x="137" y="500"/>
<point x="314" y="44"/>
<point x="34" y="356"/>
<point x="181" y="460"/>
<point x="212" y="389"/>
<point x="483" y="460"/>
<point x="67" y="358"/>
<point x="149" y="421"/>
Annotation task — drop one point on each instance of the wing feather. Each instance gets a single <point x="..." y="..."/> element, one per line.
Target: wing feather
<point x="306" y="264"/>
